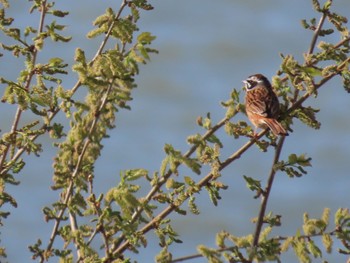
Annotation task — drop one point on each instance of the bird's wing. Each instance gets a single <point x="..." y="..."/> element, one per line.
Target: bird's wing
<point x="259" y="107"/>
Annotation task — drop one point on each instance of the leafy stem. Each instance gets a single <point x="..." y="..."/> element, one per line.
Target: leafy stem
<point x="237" y="248"/>
<point x="19" y="111"/>
<point x="74" y="89"/>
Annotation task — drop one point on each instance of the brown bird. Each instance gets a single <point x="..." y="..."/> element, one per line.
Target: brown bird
<point x="261" y="104"/>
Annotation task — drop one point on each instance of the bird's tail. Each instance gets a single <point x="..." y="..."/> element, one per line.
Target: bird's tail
<point x="275" y="127"/>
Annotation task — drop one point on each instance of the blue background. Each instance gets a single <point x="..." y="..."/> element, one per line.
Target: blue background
<point x="206" y="49"/>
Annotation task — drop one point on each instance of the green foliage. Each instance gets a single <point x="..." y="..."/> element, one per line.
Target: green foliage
<point x="316" y="226"/>
<point x="122" y="218"/>
<point x="210" y="254"/>
<point x="269" y="249"/>
<point x="253" y="185"/>
<point x="307" y="116"/>
<point x="176" y="158"/>
<point x="294" y="166"/>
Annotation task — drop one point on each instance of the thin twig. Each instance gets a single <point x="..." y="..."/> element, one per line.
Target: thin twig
<point x="312" y="46"/>
<point x="26" y="87"/>
<point x="74" y="228"/>
<point x="266" y="194"/>
<point x="99" y="229"/>
<point x="110" y="29"/>
<point x="185" y="258"/>
<point x="317" y="32"/>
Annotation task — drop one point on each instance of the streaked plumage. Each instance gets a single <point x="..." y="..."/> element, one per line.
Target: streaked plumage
<point x="262" y="104"/>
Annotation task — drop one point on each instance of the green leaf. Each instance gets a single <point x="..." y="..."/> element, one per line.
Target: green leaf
<point x="189" y="180"/>
<point x="304" y="161"/>
<point x="59" y="13"/>
<point x="327" y="5"/>
<point x="316" y="5"/>
<point x="145" y="38"/>
<point x="142" y="4"/>
<point x="307" y="115"/>
<point x="29" y="30"/>
<point x="192" y="205"/>
<point x="5" y="3"/>
<point x="305" y="24"/>
<point x="346" y="80"/>
<point x="164" y="165"/>
<point x="327" y="242"/>
<point x="292" y="159"/>
<point x="95" y="32"/>
<point x="314" y="250"/>
<point x="312" y="71"/>
<point x="132" y="175"/>
<point x="143" y="51"/>
<point x="7" y="198"/>
<point x="214" y="139"/>
<point x="55" y="62"/>
<point x="16" y="168"/>
<point x="213" y="194"/>
<point x="252" y="184"/>
<point x="170" y="183"/>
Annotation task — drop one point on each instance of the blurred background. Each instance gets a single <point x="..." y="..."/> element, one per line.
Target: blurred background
<point x="206" y="48"/>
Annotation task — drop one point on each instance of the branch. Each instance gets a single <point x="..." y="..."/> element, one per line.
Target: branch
<point x="116" y="249"/>
<point x="312" y="46"/>
<point x="26" y="87"/>
<point x="73" y="91"/>
<point x="201" y="184"/>
<point x="232" y="248"/>
<point x="74" y="227"/>
<point x="163" y="180"/>
<point x="317" y="32"/>
<point x="155" y="189"/>
<point x="69" y="191"/>
<point x="200" y="255"/>
<point x="266" y="193"/>
<point x="109" y="32"/>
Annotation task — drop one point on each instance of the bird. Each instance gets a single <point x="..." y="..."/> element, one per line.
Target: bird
<point x="262" y="105"/>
